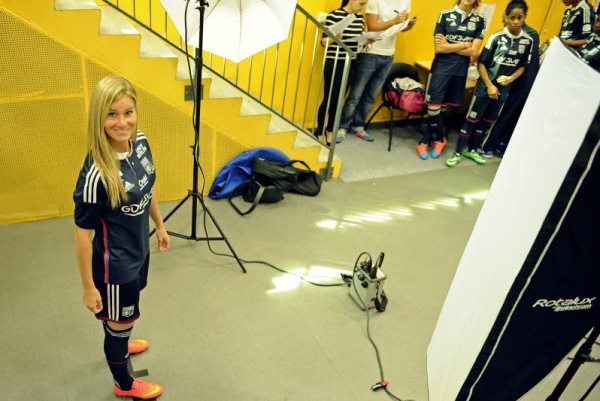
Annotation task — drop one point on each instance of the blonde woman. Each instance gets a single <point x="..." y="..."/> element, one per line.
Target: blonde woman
<point x="113" y="199"/>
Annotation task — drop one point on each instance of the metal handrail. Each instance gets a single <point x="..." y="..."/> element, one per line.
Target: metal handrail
<point x="310" y="71"/>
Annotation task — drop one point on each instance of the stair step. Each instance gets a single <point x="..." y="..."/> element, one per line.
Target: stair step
<point x="63" y="5"/>
<point x="221" y="90"/>
<point x="154" y="47"/>
<point x="115" y="23"/>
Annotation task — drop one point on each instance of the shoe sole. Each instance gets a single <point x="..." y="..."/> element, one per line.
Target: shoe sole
<point x="453" y="164"/>
<point x="480" y="162"/>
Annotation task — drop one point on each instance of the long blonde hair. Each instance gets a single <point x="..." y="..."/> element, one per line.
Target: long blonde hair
<point x="108" y="90"/>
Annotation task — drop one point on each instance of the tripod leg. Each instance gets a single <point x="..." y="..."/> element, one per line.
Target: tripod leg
<point x="578" y="360"/>
<point x="172" y="212"/>
<point x="239" y="261"/>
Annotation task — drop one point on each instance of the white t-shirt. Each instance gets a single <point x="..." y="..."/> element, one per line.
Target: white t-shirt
<point x="385" y="12"/>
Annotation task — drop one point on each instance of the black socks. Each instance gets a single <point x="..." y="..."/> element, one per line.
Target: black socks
<point x="115" y="349"/>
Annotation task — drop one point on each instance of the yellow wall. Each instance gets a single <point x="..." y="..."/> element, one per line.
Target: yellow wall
<point x="292" y="77"/>
<point x="417" y="44"/>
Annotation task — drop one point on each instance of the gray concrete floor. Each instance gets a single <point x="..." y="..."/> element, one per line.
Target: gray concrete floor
<point x="218" y="334"/>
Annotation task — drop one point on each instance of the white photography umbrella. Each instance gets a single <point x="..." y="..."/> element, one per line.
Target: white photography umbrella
<point x="234" y="29"/>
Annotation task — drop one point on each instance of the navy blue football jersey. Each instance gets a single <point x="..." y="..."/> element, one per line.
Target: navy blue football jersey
<point x="577" y="22"/>
<point x="120" y="243"/>
<point x="590" y="51"/>
<point x="504" y="53"/>
<point x="457" y="27"/>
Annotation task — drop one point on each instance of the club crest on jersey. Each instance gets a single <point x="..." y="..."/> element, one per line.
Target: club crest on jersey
<point x="143" y="182"/>
<point x="128" y="186"/>
<point x="127" y="311"/>
<point x="147" y="165"/>
<point x="522" y="49"/>
<point x="471" y="26"/>
<point x="140" y="150"/>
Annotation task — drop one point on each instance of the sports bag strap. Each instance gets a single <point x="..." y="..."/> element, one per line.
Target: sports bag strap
<point x="292" y="162"/>
<point x="255" y="202"/>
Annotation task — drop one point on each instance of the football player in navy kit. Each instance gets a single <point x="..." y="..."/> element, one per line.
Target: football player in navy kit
<point x="577" y="22"/>
<point x="502" y="61"/>
<point x="590" y="51"/>
<point x="113" y="199"/>
<point x="458" y="36"/>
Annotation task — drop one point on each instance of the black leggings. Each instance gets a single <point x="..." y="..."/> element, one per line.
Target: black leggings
<point x="330" y="75"/>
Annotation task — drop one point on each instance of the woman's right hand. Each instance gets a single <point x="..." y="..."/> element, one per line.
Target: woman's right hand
<point x="400" y="17"/>
<point x="493" y="92"/>
<point x="92" y="300"/>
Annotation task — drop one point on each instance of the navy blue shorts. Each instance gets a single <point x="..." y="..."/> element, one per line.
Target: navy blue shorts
<point x="484" y="108"/>
<point x="120" y="302"/>
<point x="446" y="90"/>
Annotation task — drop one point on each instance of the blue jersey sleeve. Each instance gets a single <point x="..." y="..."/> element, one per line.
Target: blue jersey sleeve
<point x="587" y="22"/>
<point x="480" y="32"/>
<point x="487" y="54"/>
<point x="90" y="197"/>
<point x="440" y="26"/>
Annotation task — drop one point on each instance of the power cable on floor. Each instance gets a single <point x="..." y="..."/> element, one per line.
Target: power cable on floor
<point x="382" y="384"/>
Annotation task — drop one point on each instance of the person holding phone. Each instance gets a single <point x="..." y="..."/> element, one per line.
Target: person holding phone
<point x="372" y="65"/>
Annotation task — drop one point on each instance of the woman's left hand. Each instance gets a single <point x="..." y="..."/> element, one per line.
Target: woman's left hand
<point x="504" y="80"/>
<point x="163" y="239"/>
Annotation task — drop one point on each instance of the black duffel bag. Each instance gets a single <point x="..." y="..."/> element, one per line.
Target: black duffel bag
<point x="287" y="177"/>
<point x="270" y="179"/>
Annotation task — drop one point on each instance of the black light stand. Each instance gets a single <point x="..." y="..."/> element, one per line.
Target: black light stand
<point x="197" y="197"/>
<point x="582" y="355"/>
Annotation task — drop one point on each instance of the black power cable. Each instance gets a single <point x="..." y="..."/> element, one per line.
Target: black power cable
<point x="382" y="384"/>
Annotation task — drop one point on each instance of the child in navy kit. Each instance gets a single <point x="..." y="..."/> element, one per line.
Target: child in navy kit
<point x="590" y="51"/>
<point x="502" y="61"/>
<point x="458" y="36"/>
<point x="113" y="200"/>
<point x="335" y="60"/>
<point x="501" y="133"/>
<point x="577" y="23"/>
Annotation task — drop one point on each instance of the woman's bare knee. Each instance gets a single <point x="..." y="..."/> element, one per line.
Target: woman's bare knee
<point x="120" y="326"/>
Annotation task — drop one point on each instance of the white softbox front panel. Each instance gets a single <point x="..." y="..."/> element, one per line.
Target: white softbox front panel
<point x="513" y="257"/>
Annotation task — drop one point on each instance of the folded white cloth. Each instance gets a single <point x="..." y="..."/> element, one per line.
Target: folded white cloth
<point x="406" y="84"/>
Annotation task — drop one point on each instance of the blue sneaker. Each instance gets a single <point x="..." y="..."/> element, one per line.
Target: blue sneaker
<point x="363" y="135"/>
<point x="422" y="151"/>
<point x="488" y="154"/>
